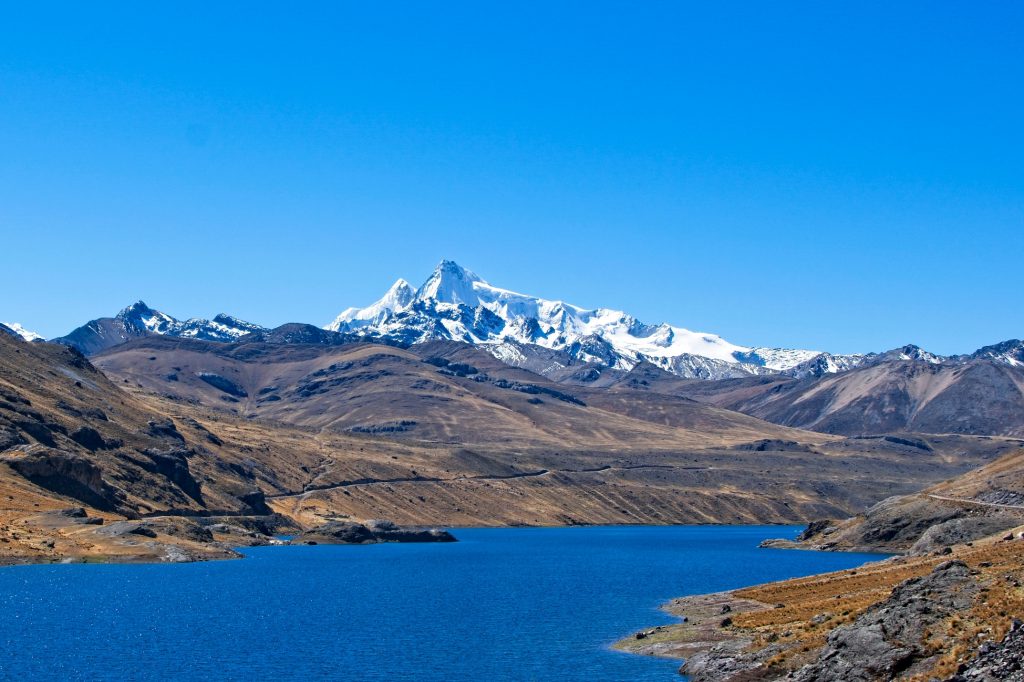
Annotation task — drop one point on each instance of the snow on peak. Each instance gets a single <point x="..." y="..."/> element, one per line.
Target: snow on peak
<point x="141" y="316"/>
<point x="455" y="303"/>
<point x="912" y="352"/>
<point x="1008" y="353"/>
<point x="452" y="283"/>
<point x="399" y="297"/>
<point x="25" y="334"/>
<point x="223" y="327"/>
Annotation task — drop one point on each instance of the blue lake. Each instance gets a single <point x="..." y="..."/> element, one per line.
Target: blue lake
<point x="501" y="604"/>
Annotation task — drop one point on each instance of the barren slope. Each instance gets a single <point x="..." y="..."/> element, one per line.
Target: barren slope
<point x="981" y="397"/>
<point x="973" y="505"/>
<point x="369" y="431"/>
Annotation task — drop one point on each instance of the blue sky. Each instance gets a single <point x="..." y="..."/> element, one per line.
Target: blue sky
<point x="825" y="175"/>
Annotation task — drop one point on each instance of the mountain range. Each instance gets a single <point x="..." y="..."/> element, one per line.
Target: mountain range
<point x="191" y="419"/>
<point x="141" y="437"/>
<point x="139" y="320"/>
<point x="552" y="338"/>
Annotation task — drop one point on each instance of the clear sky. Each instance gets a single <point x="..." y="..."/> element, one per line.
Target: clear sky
<point x="842" y="176"/>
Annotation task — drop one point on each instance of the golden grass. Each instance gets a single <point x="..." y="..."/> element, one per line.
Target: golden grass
<point x="799" y="614"/>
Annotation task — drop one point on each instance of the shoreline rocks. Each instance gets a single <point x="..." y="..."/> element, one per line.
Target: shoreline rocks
<point x="352" y="533"/>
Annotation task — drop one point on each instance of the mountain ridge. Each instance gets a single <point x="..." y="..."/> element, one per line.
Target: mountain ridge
<point x="455" y="303"/>
<point x="139" y="320"/>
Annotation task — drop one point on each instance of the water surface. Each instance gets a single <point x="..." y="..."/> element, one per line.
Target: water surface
<point x="501" y="604"/>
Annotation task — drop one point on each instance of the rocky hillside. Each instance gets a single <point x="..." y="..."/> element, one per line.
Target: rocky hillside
<point x="981" y="396"/>
<point x="950" y="609"/>
<point x="139" y="320"/>
<point x="179" y="430"/>
<point x="975" y="505"/>
<point x="906" y="389"/>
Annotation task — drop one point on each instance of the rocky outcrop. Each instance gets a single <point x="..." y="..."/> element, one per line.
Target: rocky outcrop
<point x="352" y="533"/>
<point x="223" y="384"/>
<point x="69" y="475"/>
<point x="185" y="529"/>
<point x="961" y="530"/>
<point x="173" y="465"/>
<point x="269" y="524"/>
<point x="90" y="439"/>
<point x="967" y="508"/>
<point x="1003" y="662"/>
<point x="886" y="640"/>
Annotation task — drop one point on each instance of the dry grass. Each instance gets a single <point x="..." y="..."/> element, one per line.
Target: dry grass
<point x="813" y="607"/>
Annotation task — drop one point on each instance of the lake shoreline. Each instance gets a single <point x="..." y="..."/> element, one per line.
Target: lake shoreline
<point x="70" y="541"/>
<point x="565" y="592"/>
<point x="803" y="625"/>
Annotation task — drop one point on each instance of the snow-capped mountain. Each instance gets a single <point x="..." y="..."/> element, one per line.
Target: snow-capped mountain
<point x="220" y="328"/>
<point x="20" y="331"/>
<point x="827" y="363"/>
<point x="911" y="352"/>
<point x="454" y="303"/>
<point x="1008" y="352"/>
<point x="552" y="338"/>
<point x="139" y="319"/>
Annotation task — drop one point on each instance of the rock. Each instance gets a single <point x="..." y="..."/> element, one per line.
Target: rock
<point x="350" y="532"/>
<point x="886" y="640"/>
<point x="256" y="503"/>
<point x="724" y="661"/>
<point x="1003" y="661"/>
<point x="90" y="439"/>
<point x="164" y="429"/>
<point x="10" y="438"/>
<point x="239" y="535"/>
<point x="269" y="525"/>
<point x="123" y="528"/>
<point x="185" y="529"/>
<point x="173" y="465"/>
<point x="223" y="384"/>
<point x="776" y="445"/>
<point x="66" y="517"/>
<point x="960" y="531"/>
<point x="814" y="528"/>
<point x="70" y="475"/>
<point x="72" y="513"/>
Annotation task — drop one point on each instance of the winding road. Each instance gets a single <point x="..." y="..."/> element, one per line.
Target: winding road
<point x="494" y="477"/>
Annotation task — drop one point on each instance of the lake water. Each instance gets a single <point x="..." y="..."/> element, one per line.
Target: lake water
<point x="501" y="604"/>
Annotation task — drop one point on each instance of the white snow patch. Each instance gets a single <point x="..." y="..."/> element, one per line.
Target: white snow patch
<point x="26" y="334"/>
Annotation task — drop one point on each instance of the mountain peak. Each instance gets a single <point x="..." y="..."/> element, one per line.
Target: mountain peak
<point x="1009" y="352"/>
<point x="451" y="267"/>
<point x="912" y="352"/>
<point x="455" y="303"/>
<point x="401" y="292"/>
<point x="17" y="330"/>
<point x="450" y="283"/>
<point x="137" y="308"/>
